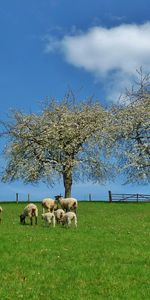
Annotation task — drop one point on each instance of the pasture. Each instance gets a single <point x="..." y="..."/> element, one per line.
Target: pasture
<point x="106" y="257"/>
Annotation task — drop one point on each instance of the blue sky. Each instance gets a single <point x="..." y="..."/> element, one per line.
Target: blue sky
<point x="47" y="46"/>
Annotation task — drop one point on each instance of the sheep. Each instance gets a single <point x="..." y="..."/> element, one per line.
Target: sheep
<point x="30" y="211"/>
<point x="59" y="213"/>
<point x="49" y="218"/>
<point x="68" y="218"/>
<point x="68" y="204"/>
<point x="49" y="204"/>
<point x="0" y="213"/>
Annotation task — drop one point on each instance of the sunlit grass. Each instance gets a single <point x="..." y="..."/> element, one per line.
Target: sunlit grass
<point x="106" y="257"/>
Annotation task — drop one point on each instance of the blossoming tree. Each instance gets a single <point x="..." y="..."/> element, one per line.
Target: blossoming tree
<point x="65" y="140"/>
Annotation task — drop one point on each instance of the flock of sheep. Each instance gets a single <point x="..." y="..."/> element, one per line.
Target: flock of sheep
<point x="61" y="211"/>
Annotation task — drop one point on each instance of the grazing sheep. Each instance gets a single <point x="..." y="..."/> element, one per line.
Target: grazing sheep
<point x="49" y="218"/>
<point x="49" y="204"/>
<point x="68" y="204"/>
<point x="30" y="211"/>
<point x="59" y="213"/>
<point x="68" y="218"/>
<point x="0" y="213"/>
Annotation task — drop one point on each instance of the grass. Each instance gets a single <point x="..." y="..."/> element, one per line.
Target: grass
<point x="106" y="257"/>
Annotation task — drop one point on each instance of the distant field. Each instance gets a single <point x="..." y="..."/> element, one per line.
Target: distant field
<point x="106" y="257"/>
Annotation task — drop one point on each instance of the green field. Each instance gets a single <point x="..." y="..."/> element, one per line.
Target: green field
<point x="106" y="257"/>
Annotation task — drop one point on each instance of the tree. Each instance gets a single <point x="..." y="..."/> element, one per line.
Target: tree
<point x="65" y="140"/>
<point x="131" y="122"/>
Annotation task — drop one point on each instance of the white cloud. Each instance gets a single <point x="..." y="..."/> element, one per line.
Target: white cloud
<point x="102" y="51"/>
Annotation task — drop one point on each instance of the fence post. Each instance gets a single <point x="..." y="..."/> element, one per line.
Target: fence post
<point x="17" y="197"/>
<point x="90" y="197"/>
<point x="110" y="196"/>
<point x="28" y="198"/>
<point x="137" y="197"/>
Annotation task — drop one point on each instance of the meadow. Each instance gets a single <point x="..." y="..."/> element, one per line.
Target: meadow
<point x="106" y="257"/>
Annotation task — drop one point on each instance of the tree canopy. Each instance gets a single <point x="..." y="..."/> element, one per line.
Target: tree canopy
<point x="131" y="122"/>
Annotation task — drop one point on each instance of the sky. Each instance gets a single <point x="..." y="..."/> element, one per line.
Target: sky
<point x="47" y="46"/>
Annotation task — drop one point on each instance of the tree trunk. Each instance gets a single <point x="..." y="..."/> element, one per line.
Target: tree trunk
<point x="67" y="178"/>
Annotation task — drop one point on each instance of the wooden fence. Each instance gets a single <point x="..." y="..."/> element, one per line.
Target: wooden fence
<point x="17" y="198"/>
<point x="112" y="197"/>
<point x="29" y="198"/>
<point x="128" y="197"/>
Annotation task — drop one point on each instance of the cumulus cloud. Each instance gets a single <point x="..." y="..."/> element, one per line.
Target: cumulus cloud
<point x="105" y="51"/>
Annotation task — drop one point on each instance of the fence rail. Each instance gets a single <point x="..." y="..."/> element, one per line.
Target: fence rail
<point x="128" y="197"/>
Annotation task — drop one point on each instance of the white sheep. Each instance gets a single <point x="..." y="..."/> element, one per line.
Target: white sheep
<point x="30" y="211"/>
<point x="49" y="218"/>
<point x="59" y="213"/>
<point x="49" y="204"/>
<point x="0" y="213"/>
<point x="68" y="218"/>
<point x="68" y="204"/>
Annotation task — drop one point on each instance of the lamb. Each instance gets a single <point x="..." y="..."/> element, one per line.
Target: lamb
<point x="68" y="218"/>
<point x="49" y="218"/>
<point x="30" y="211"/>
<point x="49" y="204"/>
<point x="0" y="213"/>
<point x="68" y="204"/>
<point x="59" y="213"/>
